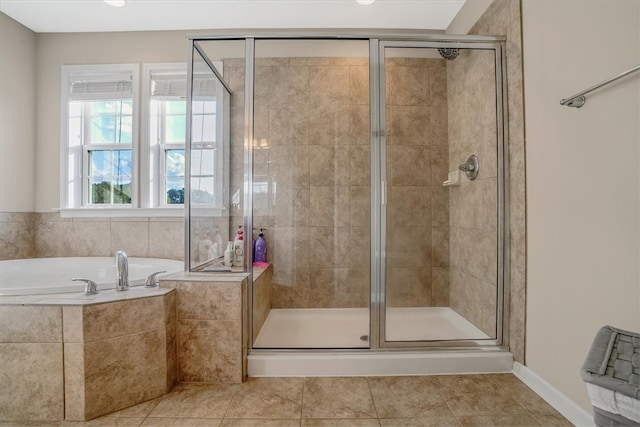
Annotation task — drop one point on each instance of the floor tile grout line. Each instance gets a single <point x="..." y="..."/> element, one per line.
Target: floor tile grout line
<point x="304" y="382"/>
<point x="435" y="384"/>
<point x="373" y="400"/>
<point x="226" y="411"/>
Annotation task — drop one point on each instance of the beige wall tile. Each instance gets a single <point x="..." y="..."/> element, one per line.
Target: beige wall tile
<point x="103" y="321"/>
<point x="33" y="374"/>
<point x="73" y="324"/>
<point x="23" y="324"/>
<point x="329" y="123"/>
<point x="213" y="301"/>
<point x="329" y="84"/>
<point x="130" y="236"/>
<point x="123" y="371"/>
<point x="408" y="125"/>
<point x="166" y="239"/>
<point x="74" y="382"/>
<point x="210" y="351"/>
<point x="17" y="235"/>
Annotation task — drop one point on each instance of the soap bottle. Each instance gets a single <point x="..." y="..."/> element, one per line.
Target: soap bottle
<point x="238" y="248"/>
<point x="228" y="255"/>
<point x="261" y="248"/>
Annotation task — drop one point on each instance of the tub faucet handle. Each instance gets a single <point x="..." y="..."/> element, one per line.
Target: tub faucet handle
<point x="152" y="281"/>
<point x="90" y="287"/>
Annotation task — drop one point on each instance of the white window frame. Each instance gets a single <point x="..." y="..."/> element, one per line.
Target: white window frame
<point x="152" y="159"/>
<point x="147" y="157"/>
<point x="73" y="174"/>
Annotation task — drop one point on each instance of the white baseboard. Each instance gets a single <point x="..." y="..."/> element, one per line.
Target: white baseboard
<point x="561" y="403"/>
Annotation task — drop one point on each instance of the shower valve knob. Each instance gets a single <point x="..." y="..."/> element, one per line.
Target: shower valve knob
<point x="471" y="167"/>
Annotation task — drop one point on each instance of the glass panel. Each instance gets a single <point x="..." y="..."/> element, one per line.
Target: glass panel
<point x="110" y="177"/>
<point x="217" y="152"/>
<point x="441" y="241"/>
<point x="311" y="193"/>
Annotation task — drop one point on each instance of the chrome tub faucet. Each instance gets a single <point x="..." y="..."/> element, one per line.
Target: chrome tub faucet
<point x="122" y="271"/>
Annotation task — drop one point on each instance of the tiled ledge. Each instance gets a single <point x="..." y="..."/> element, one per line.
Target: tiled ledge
<point x="78" y="298"/>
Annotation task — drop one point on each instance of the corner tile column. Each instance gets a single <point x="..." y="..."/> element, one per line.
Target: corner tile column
<point x="211" y="327"/>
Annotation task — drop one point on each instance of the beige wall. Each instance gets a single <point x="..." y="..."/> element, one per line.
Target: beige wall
<point x="583" y="184"/>
<point x="17" y="116"/>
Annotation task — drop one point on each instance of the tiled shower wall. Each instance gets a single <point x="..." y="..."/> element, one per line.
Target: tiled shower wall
<point x="312" y="183"/>
<point x="311" y="178"/>
<point x="472" y="130"/>
<point x="28" y="235"/>
<point x="417" y="250"/>
<point x="504" y="17"/>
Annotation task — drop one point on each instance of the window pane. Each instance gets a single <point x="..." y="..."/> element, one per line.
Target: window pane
<point x="176" y="107"/>
<point x="122" y="164"/>
<point x="175" y="163"/>
<point x="175" y="191"/>
<point x="209" y="107"/>
<point x="196" y="128"/>
<point x="100" y="163"/>
<point x="202" y="190"/>
<point x="209" y="129"/>
<point x="100" y="192"/>
<point x="110" y="176"/>
<point x="174" y="176"/>
<point x="176" y="128"/>
<point x="202" y="162"/>
<point x="197" y="107"/>
<point x="111" y="122"/>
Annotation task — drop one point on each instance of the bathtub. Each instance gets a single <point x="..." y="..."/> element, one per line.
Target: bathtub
<point x="39" y="276"/>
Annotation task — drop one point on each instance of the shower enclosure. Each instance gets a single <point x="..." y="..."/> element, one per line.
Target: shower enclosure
<point x="350" y="154"/>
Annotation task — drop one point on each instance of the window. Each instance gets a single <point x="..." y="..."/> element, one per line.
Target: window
<point x="165" y="88"/>
<point x="106" y="170"/>
<point x="165" y="97"/>
<point x="99" y="127"/>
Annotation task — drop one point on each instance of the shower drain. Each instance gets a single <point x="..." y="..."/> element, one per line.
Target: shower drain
<point x="364" y="338"/>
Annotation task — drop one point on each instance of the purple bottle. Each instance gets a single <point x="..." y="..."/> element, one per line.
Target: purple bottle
<point x="261" y="248"/>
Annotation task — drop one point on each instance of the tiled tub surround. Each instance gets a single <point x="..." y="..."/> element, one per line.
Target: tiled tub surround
<point x="17" y="235"/>
<point x="39" y="235"/>
<point x="211" y="326"/>
<point x="78" y="357"/>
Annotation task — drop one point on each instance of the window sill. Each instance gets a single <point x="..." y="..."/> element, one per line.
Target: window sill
<point x="121" y="212"/>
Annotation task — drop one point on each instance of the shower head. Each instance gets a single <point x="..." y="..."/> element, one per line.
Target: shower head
<point x="449" y="53"/>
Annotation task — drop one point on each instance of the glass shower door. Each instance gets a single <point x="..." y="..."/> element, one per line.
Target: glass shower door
<point x="311" y="191"/>
<point x="441" y="276"/>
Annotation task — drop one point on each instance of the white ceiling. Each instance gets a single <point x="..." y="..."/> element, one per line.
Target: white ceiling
<point x="43" y="16"/>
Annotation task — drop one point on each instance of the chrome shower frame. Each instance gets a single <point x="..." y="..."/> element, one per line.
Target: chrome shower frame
<point x="378" y="41"/>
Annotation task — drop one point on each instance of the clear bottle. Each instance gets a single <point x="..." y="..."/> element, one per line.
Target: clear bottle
<point x="228" y="255"/>
<point x="238" y="248"/>
<point x="217" y="238"/>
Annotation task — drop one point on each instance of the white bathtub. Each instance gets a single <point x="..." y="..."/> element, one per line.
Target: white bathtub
<point x="53" y="275"/>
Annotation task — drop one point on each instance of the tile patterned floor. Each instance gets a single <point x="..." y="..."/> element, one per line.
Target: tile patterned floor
<point x="451" y="400"/>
